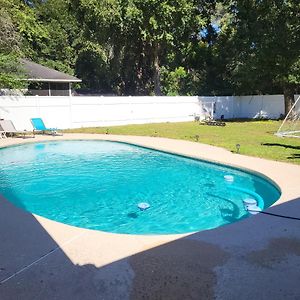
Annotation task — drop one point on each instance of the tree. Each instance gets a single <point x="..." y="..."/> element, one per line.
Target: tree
<point x="43" y="31"/>
<point x="166" y="26"/>
<point x="138" y="37"/>
<point x="267" y="47"/>
<point x="10" y="41"/>
<point x="55" y="36"/>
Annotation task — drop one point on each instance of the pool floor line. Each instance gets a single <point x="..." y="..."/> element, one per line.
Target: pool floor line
<point x="42" y="258"/>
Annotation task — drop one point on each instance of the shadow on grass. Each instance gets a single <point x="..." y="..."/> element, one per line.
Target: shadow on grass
<point x="281" y="145"/>
<point x="294" y="156"/>
<point x="271" y="132"/>
<point x="245" y="120"/>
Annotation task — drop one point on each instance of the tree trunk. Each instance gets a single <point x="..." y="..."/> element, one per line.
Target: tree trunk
<point x="288" y="99"/>
<point x="156" y="74"/>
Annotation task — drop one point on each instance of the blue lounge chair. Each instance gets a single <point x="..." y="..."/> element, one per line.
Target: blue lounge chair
<point x="38" y="125"/>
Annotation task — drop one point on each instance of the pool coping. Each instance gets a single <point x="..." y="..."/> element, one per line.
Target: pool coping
<point x="69" y="239"/>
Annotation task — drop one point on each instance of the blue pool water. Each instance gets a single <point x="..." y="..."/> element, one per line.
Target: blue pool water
<point x="99" y="185"/>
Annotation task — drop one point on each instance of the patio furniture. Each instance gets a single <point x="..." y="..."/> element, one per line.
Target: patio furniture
<point x="211" y="122"/>
<point x="39" y="126"/>
<point x="7" y="127"/>
<point x="2" y="134"/>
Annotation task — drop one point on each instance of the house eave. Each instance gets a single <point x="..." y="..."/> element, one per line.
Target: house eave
<point x="52" y="80"/>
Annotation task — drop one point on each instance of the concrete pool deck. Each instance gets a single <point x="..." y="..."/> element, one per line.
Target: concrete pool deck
<point x="258" y="257"/>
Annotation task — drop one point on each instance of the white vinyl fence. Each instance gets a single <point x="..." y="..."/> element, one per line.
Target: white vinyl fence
<point x="75" y="112"/>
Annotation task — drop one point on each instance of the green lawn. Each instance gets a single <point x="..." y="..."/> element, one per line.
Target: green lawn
<point x="255" y="137"/>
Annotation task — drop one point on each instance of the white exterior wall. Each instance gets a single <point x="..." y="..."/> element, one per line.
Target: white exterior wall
<point x="76" y="112"/>
<point x="248" y="107"/>
<point x="270" y="106"/>
<point x="224" y="105"/>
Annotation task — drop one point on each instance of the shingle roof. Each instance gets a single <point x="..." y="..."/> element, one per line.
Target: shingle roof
<point x="36" y="72"/>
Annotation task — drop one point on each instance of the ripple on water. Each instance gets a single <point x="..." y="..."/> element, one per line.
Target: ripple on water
<point x="98" y="185"/>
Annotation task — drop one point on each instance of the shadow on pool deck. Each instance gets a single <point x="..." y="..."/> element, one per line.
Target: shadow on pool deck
<point x="255" y="258"/>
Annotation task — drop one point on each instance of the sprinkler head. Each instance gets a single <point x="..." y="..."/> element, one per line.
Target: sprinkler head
<point x="238" y="146"/>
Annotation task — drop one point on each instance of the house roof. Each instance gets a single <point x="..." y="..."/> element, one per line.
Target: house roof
<point x="37" y="72"/>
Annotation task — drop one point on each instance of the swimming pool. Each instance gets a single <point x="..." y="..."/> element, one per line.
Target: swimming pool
<point x="100" y="185"/>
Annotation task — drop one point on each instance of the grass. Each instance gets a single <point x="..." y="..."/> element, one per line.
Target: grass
<point x="255" y="137"/>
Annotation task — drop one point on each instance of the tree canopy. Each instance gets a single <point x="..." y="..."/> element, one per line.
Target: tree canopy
<point x="161" y="47"/>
